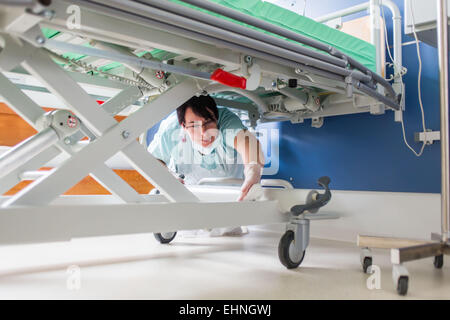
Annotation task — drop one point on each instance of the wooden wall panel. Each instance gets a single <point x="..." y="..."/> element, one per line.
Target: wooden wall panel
<point x="13" y="129"/>
<point x="88" y="186"/>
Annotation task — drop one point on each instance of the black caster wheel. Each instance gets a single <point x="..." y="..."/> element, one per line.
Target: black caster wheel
<point x="402" y="285"/>
<point x="438" y="261"/>
<point x="165" y="237"/>
<point x="288" y="254"/>
<point x="367" y="263"/>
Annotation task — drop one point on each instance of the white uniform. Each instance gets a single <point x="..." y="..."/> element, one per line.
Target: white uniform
<point x="173" y="145"/>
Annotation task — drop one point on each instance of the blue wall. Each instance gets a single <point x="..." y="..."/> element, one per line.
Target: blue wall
<point x="363" y="151"/>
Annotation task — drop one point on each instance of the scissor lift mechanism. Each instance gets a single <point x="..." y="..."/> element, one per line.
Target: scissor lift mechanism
<point x="216" y="61"/>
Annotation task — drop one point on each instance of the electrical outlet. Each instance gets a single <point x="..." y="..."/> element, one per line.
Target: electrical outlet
<point x="428" y="137"/>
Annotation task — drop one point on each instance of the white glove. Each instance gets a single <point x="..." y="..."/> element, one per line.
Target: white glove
<point x="252" y="174"/>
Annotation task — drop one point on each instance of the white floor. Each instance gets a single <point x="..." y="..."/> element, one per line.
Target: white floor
<point x="137" y="267"/>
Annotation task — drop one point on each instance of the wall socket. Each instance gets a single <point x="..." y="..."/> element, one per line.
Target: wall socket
<point x="428" y="137"/>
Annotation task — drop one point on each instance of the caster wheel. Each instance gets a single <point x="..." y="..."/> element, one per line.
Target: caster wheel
<point x="402" y="285"/>
<point x="288" y="254"/>
<point x="367" y="263"/>
<point x="165" y="237"/>
<point x="438" y="261"/>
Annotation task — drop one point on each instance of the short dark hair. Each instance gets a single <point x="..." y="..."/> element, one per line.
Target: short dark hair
<point x="202" y="106"/>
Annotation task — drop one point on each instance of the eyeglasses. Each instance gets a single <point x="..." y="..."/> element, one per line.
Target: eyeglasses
<point x="207" y="125"/>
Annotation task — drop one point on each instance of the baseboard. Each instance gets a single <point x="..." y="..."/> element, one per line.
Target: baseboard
<point x="397" y="214"/>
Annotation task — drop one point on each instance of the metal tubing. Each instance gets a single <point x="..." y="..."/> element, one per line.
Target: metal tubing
<point x="126" y="59"/>
<point x="244" y="31"/>
<point x="147" y="76"/>
<point x="343" y="13"/>
<point x="13" y="177"/>
<point x="239" y="39"/>
<point x="276" y="183"/>
<point x="397" y="31"/>
<point x="375" y="34"/>
<point x="233" y="14"/>
<point x="236" y="15"/>
<point x="68" y="47"/>
<point x="301" y="234"/>
<point x="115" y="48"/>
<point x="26" y="150"/>
<point x="442" y="22"/>
<point x="397" y="24"/>
<point x="285" y="62"/>
<point x="374" y="94"/>
<point x="300" y="96"/>
<point x="113" y="12"/>
<point x="262" y="106"/>
<point x="320" y="86"/>
<point x="16" y="3"/>
<point x="33" y="175"/>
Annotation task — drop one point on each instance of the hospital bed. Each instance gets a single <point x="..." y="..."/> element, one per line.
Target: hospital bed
<point x="272" y="64"/>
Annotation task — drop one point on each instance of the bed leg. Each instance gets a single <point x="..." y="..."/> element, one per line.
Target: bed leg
<point x="293" y="244"/>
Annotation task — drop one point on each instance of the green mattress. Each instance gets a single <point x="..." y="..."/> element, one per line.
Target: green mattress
<point x="358" y="49"/>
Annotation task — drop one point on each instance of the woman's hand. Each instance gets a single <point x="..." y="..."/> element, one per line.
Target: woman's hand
<point x="252" y="174"/>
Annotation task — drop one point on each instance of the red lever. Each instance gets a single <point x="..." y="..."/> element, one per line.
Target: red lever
<point x="229" y="79"/>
